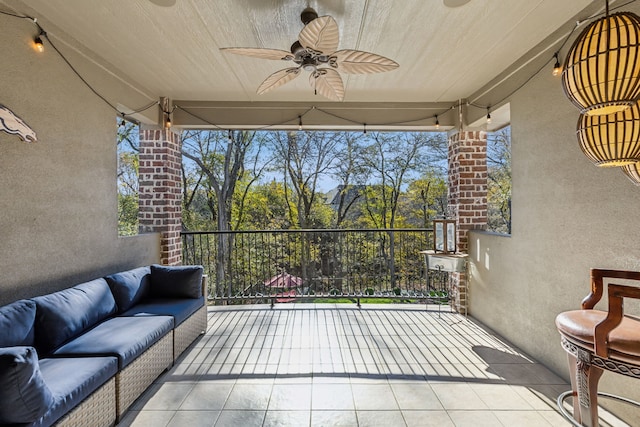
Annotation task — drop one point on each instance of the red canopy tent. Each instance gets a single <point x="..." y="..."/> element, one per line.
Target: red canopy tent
<point x="284" y="280"/>
<point x="286" y="285"/>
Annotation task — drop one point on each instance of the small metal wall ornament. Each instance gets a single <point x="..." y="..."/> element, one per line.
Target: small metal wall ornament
<point x="14" y="125"/>
<point x="444" y="235"/>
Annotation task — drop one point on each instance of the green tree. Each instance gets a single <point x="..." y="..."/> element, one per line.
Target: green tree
<point x="391" y="159"/>
<point x="265" y="208"/>
<point x="226" y="165"/>
<point x="222" y="158"/>
<point x="499" y="181"/>
<point x="127" y="141"/>
<point x="425" y="199"/>
<point x="198" y="200"/>
<point x="305" y="158"/>
<point x="350" y="176"/>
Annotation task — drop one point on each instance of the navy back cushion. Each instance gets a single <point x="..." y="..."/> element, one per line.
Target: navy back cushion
<point x="63" y="315"/>
<point x="24" y="397"/>
<point x="129" y="287"/>
<point x="176" y="281"/>
<point x="16" y="323"/>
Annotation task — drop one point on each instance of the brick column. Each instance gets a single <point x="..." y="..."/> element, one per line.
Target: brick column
<point x="467" y="199"/>
<point x="160" y="190"/>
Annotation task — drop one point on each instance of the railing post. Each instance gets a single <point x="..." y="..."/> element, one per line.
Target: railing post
<point x="392" y="259"/>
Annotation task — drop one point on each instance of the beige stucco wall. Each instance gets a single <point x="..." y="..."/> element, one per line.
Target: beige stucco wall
<point x="568" y="216"/>
<point x="58" y="206"/>
<point x="58" y="222"/>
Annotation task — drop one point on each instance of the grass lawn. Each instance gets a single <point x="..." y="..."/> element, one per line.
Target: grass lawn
<point x="362" y="300"/>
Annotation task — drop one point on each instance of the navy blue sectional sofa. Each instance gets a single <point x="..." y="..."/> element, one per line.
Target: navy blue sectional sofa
<point x="83" y="355"/>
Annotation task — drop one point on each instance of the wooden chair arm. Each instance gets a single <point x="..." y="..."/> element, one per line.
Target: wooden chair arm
<point x="616" y="295"/>
<point x="597" y="279"/>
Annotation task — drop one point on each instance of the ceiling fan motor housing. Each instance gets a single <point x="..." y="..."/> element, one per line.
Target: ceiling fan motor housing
<point x="308" y="15"/>
<point x="297" y="48"/>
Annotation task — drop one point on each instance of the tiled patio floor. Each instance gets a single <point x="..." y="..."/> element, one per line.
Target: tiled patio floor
<point x="336" y="365"/>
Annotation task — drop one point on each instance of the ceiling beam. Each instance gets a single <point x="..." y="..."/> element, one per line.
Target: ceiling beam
<point x="323" y="115"/>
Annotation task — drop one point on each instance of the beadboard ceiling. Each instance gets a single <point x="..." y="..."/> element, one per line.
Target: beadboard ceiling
<point x="170" y="48"/>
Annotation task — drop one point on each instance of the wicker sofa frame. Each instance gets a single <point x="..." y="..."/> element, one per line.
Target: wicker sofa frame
<point x="187" y="332"/>
<point x="108" y="404"/>
<point x="96" y="410"/>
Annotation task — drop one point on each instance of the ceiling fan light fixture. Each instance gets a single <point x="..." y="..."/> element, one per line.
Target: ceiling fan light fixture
<point x="308" y="64"/>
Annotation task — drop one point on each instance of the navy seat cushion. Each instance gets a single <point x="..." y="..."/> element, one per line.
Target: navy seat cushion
<point x="16" y="323"/>
<point x="123" y="337"/>
<point x="129" y="287"/>
<point x="71" y="380"/>
<point x="24" y="395"/>
<point x="176" y="281"/>
<point x="179" y="308"/>
<point x="65" y="314"/>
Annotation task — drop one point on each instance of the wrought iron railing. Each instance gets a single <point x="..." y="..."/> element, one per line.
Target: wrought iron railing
<point x="284" y="265"/>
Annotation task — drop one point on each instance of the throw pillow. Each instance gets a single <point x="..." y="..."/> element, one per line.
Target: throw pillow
<point x="16" y="323"/>
<point x="176" y="281"/>
<point x="24" y="397"/>
<point x="129" y="287"/>
<point x="66" y="314"/>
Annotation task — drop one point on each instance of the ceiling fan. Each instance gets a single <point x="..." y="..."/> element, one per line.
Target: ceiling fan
<point x="316" y="51"/>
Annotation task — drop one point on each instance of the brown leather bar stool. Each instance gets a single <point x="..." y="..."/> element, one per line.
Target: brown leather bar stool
<point x="598" y="341"/>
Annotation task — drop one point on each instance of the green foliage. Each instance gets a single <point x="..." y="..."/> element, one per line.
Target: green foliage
<point x="425" y="199"/>
<point x="127" y="215"/>
<point x="127" y="139"/>
<point x="220" y="172"/>
<point x="392" y="160"/>
<point x="381" y="176"/>
<point x="499" y="181"/>
<point x="349" y="175"/>
<point x="304" y="158"/>
<point x="375" y="210"/>
<point x="321" y="213"/>
<point x="198" y="200"/>
<point x="265" y="208"/>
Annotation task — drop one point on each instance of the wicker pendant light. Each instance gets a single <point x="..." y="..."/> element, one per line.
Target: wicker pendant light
<point x="632" y="172"/>
<point x="601" y="73"/>
<point x="612" y="140"/>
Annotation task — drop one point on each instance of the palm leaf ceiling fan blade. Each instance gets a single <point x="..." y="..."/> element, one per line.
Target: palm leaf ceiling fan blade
<point x="360" y="62"/>
<point x="328" y="83"/>
<point x="316" y="51"/>
<point x="320" y="35"/>
<point x="256" y="52"/>
<point x="278" y="78"/>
